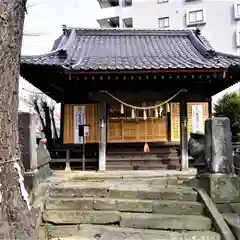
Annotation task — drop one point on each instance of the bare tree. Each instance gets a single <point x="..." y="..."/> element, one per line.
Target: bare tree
<point x="45" y="112"/>
<point x="15" y="221"/>
<point x="55" y="133"/>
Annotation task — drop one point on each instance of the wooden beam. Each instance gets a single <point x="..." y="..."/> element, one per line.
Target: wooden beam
<point x="210" y="70"/>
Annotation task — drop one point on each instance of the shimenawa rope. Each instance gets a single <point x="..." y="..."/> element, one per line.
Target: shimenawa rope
<point x="143" y="108"/>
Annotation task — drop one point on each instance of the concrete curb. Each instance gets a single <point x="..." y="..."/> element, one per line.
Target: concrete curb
<point x="218" y="220"/>
<point x="233" y="221"/>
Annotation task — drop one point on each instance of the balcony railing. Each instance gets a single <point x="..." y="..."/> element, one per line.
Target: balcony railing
<point x="115" y="3"/>
<point x="127" y="3"/>
<point x="108" y="3"/>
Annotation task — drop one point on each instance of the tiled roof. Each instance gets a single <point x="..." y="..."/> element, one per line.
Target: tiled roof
<point x="130" y="49"/>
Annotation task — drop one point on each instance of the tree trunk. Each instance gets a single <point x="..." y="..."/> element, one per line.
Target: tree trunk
<point x="15" y="221"/>
<point x="48" y="125"/>
<point x="56" y="138"/>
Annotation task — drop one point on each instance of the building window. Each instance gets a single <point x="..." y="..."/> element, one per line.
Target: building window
<point x="196" y="17"/>
<point x="163" y="22"/>
<point x="237" y="11"/>
<point x="238" y="37"/>
<point x="162" y="1"/>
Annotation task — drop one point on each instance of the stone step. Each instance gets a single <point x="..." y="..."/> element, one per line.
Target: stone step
<point x="142" y="166"/>
<point x="131" y="220"/>
<point x="126" y="205"/>
<point x="93" y="232"/>
<point x="190" y="173"/>
<point x="126" y="191"/>
<point x="153" y="182"/>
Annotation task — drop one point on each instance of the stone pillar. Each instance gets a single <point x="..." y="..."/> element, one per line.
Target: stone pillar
<point x="218" y="145"/>
<point x="103" y="136"/>
<point x="27" y="140"/>
<point x="184" y="134"/>
<point x="35" y="158"/>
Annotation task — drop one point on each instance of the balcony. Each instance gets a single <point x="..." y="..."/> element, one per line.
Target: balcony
<point x="114" y="3"/>
<point x="109" y="13"/>
<point x="108" y="3"/>
<point x="109" y="22"/>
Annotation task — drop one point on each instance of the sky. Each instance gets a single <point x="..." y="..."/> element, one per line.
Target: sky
<point x="46" y="17"/>
<point x="43" y="24"/>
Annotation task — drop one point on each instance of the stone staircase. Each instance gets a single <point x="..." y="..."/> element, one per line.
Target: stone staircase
<point x="114" y="209"/>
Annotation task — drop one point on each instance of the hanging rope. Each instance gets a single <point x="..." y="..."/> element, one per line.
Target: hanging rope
<point x="144" y="108"/>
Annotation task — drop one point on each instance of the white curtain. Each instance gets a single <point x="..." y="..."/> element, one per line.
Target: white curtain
<point x="197" y="118"/>
<point x="79" y="119"/>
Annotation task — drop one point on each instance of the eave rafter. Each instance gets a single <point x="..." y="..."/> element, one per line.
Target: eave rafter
<point x="145" y="75"/>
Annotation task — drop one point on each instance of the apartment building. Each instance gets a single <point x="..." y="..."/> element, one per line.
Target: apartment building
<point x="219" y="20"/>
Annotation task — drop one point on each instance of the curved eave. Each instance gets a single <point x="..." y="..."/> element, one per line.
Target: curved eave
<point x="40" y="77"/>
<point x="53" y="61"/>
<point x="220" y="61"/>
<point x="122" y="70"/>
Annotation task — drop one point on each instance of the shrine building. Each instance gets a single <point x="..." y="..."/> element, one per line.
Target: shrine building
<point x="140" y="92"/>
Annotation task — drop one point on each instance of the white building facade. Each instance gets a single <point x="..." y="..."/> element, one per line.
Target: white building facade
<point x="219" y="20"/>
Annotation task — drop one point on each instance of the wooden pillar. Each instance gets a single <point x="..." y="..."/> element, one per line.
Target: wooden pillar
<point x="210" y="107"/>
<point x="168" y="124"/>
<point x="67" y="166"/>
<point x="184" y="133"/>
<point x="103" y="135"/>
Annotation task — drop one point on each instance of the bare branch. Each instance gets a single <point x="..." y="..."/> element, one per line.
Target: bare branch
<point x="32" y="5"/>
<point x="36" y="34"/>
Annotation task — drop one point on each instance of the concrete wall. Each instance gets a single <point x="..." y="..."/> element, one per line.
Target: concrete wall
<point x="220" y="28"/>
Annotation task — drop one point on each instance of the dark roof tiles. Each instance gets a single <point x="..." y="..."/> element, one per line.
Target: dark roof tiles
<point x="129" y="49"/>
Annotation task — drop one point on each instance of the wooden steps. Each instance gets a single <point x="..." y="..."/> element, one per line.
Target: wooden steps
<point x="127" y="156"/>
<point x="134" y="158"/>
